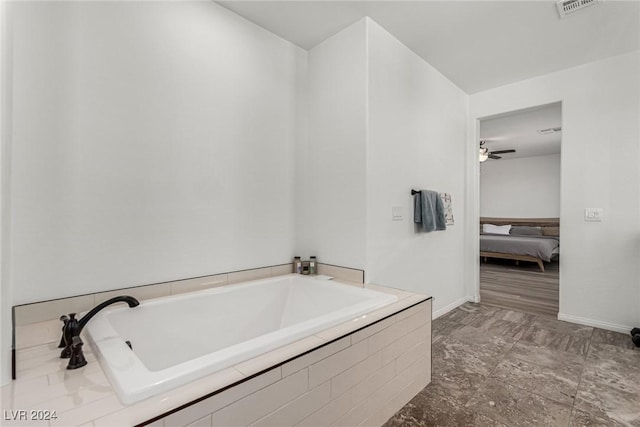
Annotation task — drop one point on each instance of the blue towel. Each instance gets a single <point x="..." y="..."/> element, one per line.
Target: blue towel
<point x="428" y="211"/>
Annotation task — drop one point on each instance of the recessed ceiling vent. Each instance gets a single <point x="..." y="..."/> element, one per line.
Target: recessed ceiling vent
<point x="569" y="7"/>
<point x="549" y="131"/>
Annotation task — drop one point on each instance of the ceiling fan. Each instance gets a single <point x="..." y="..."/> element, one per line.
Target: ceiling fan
<point x="486" y="154"/>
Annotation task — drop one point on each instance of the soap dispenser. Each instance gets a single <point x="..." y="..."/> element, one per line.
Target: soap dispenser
<point x="313" y="266"/>
<point x="297" y="265"/>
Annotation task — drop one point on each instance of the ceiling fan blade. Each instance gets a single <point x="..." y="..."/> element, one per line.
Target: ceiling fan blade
<point x="493" y="156"/>
<point x="503" y="151"/>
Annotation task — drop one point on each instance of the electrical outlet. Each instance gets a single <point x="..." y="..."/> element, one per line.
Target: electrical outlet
<point x="593" y="214"/>
<point x="396" y="213"/>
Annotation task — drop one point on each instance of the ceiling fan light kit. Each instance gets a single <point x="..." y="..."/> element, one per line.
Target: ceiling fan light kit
<point x="486" y="154"/>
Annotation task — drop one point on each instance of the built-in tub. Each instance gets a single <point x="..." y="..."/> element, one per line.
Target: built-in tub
<point x="181" y="338"/>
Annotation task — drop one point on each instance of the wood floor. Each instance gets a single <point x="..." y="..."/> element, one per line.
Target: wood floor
<point x="524" y="287"/>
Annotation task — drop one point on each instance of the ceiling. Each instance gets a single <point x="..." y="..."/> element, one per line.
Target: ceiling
<point x="478" y="45"/>
<point x="519" y="130"/>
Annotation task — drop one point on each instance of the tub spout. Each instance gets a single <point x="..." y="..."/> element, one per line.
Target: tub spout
<point x="72" y="327"/>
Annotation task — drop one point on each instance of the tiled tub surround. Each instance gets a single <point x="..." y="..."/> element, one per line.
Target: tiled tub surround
<point x="360" y="371"/>
<point x="241" y="321"/>
<point x="38" y="323"/>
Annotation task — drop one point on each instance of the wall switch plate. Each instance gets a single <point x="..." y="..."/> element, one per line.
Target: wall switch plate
<point x="593" y="214"/>
<point x="397" y="213"/>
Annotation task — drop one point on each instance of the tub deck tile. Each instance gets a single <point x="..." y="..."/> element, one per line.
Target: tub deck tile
<point x="155" y="405"/>
<point x="247" y="275"/>
<point x="276" y="356"/>
<point x="398" y="306"/>
<point x="84" y="396"/>
<point x="88" y="412"/>
<point x="342" y="405"/>
<point x="345" y="328"/>
<point x="293" y="412"/>
<point x="256" y="405"/>
<point x="198" y="284"/>
<point x="36" y="334"/>
<point x="336" y="363"/>
<point x="397" y="292"/>
<point x="311" y="358"/>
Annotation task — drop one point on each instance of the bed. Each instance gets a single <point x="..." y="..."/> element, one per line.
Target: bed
<point x="529" y="239"/>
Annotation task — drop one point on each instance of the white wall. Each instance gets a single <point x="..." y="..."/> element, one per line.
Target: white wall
<point x="599" y="269"/>
<point x="335" y="159"/>
<point x="152" y="141"/>
<point x="6" y="296"/>
<point x="382" y="121"/>
<point x="417" y="130"/>
<point x="527" y="187"/>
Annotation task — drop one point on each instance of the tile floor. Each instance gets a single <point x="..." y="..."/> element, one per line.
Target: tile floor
<point x="497" y="367"/>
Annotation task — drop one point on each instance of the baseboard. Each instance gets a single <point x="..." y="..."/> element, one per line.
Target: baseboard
<point x="453" y="305"/>
<point x="595" y="323"/>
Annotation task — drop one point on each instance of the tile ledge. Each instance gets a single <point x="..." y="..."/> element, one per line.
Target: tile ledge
<point x="155" y="406"/>
<point x="400" y="293"/>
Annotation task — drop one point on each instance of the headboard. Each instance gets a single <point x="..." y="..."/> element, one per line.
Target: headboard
<point x="550" y="226"/>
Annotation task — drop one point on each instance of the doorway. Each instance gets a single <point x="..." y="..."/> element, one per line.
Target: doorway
<point x="519" y="154"/>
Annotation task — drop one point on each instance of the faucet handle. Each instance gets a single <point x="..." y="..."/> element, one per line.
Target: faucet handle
<point x="77" y="359"/>
<point x="64" y="319"/>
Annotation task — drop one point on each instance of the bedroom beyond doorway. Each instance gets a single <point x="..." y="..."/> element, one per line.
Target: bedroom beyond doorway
<point x="520" y="209"/>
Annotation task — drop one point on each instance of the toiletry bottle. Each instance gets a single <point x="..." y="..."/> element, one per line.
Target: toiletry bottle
<point x="305" y="267"/>
<point x="313" y="266"/>
<point x="297" y="265"/>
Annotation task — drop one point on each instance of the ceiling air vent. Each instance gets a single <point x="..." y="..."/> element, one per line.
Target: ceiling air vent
<point x="549" y="131"/>
<point x="569" y="7"/>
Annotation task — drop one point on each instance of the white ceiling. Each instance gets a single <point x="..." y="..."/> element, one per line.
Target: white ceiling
<point x="519" y="130"/>
<point x="476" y="44"/>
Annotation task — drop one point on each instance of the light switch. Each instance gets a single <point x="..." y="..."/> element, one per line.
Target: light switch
<point x="593" y="214"/>
<point x="396" y="213"/>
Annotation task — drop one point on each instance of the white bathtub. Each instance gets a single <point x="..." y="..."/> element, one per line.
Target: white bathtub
<point x="181" y="338"/>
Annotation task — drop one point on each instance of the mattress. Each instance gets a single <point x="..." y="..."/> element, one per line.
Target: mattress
<point x="542" y="247"/>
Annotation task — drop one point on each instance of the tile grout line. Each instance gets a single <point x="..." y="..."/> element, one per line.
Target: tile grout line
<point x="573" y="407"/>
<point x="520" y="388"/>
<point x="533" y="363"/>
<point x="555" y="343"/>
<point x="511" y="348"/>
<point x="488" y="376"/>
<point x="503" y="357"/>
